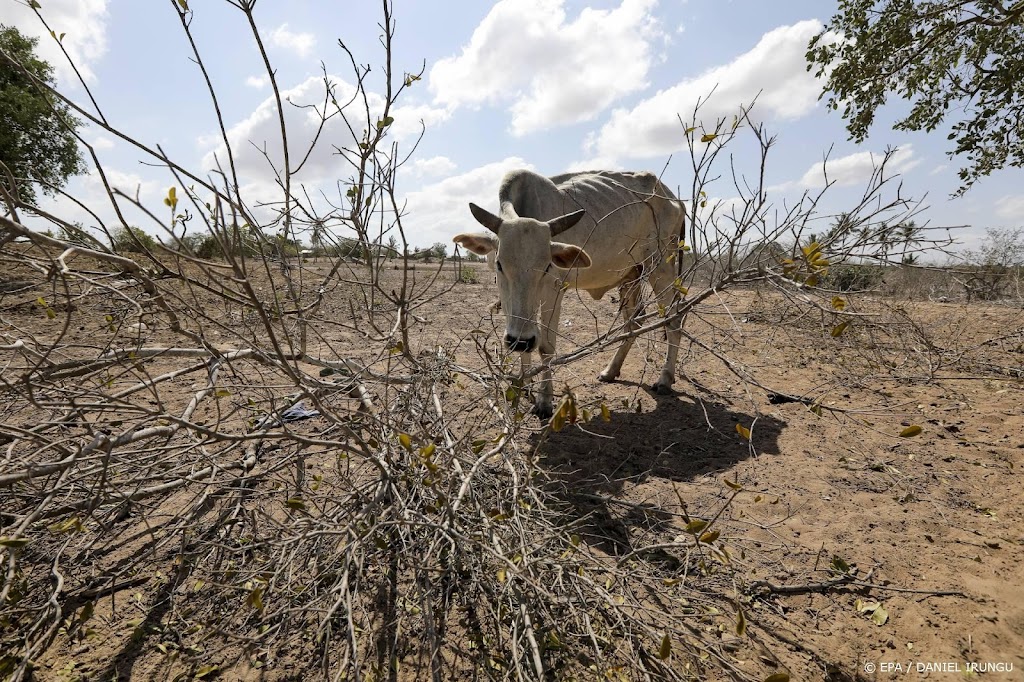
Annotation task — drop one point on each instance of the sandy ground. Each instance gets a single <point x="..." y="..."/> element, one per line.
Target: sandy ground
<point x="935" y="522"/>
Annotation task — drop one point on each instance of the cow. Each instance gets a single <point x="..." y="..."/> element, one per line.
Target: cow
<point x="613" y="229"/>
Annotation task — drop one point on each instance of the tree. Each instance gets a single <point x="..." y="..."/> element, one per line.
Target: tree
<point x="961" y="59"/>
<point x="37" y="133"/>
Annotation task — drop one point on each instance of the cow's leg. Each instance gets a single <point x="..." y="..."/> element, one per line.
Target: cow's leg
<point x="550" y="313"/>
<point x="663" y="283"/>
<point x="629" y="302"/>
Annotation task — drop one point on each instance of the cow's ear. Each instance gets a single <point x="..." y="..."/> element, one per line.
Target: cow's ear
<point x="480" y="244"/>
<point x="569" y="256"/>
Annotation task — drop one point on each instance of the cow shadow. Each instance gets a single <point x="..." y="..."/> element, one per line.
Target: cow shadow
<point x="590" y="465"/>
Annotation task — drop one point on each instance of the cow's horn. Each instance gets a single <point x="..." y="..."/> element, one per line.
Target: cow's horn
<point x="485" y="218"/>
<point x="563" y="223"/>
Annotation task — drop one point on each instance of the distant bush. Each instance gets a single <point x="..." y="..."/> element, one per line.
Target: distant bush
<point x="469" y="276"/>
<point x="854" y="277"/>
<point x="132" y="240"/>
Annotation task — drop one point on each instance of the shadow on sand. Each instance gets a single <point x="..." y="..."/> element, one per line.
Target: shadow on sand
<point x="680" y="440"/>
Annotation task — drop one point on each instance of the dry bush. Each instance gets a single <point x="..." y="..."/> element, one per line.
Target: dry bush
<point x="183" y="490"/>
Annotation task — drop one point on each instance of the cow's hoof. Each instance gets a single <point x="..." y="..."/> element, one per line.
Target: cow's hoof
<point x="543" y="412"/>
<point x="607" y="376"/>
<point x="662" y="388"/>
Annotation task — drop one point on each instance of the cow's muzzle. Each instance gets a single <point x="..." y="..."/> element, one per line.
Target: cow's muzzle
<point x="520" y="345"/>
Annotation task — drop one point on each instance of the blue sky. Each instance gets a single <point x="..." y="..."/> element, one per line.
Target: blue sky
<point x="548" y="84"/>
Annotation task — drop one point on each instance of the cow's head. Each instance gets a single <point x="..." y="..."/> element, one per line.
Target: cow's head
<point x="524" y="255"/>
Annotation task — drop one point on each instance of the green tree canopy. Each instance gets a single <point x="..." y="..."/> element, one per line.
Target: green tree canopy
<point x="37" y="141"/>
<point x="961" y="59"/>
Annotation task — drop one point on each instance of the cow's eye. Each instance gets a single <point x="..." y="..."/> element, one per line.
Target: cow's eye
<point x="547" y="269"/>
<point x="497" y="264"/>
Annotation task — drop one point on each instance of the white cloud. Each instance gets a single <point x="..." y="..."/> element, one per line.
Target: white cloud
<point x="258" y="82"/>
<point x="552" y="70"/>
<point x="434" y="166"/>
<point x="776" y="68"/>
<point x="260" y="131"/>
<point x="301" y="44"/>
<point x="938" y="169"/>
<point x="594" y="163"/>
<point x="1011" y="207"/>
<point x="101" y="143"/>
<point x="84" y="23"/>
<point x="439" y="211"/>
<point x="856" y="168"/>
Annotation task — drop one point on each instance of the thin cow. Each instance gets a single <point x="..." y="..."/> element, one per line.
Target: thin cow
<point x="614" y="229"/>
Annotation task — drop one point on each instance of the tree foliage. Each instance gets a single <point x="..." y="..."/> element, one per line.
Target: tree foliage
<point x="962" y="60"/>
<point x="37" y="133"/>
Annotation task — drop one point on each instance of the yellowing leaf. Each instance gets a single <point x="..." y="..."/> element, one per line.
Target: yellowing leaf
<point x="427" y="451"/>
<point x="606" y="414"/>
<point x="879" y="616"/>
<point x="838" y="303"/>
<point x="777" y="677"/>
<point x="255" y="599"/>
<point x="665" y="650"/>
<point x="695" y="526"/>
<point x="732" y="484"/>
<point x="710" y="536"/>
<point x="743" y="431"/>
<point x="406" y="440"/>
<point x="7" y="541"/>
<point x="295" y="503"/>
<point x="910" y="431"/>
<point x="838" y="330"/>
<point x="72" y="525"/>
<point x="741" y="622"/>
<point x="707" y="137"/>
<point x="206" y="671"/>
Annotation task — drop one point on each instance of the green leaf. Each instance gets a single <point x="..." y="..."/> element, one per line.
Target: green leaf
<point x="910" y="431"/>
<point x="385" y="122"/>
<point x="295" y="503"/>
<point x="777" y="677"/>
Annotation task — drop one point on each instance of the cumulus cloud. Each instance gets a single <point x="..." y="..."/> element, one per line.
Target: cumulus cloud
<point x="855" y="168"/>
<point x="551" y="70"/>
<point x="774" y="71"/>
<point x="301" y="44"/>
<point x="1011" y="207"/>
<point x="84" y="23"/>
<point x="260" y="132"/>
<point x="439" y="211"/>
<point x="258" y="82"/>
<point x="101" y="143"/>
<point x="433" y="167"/>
